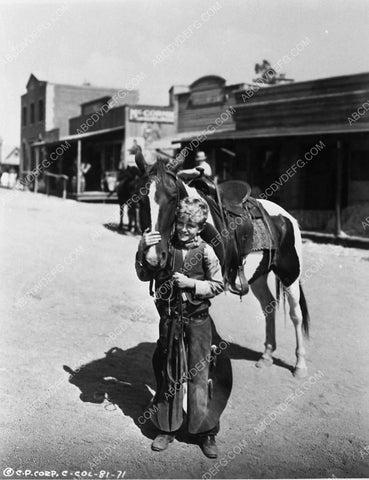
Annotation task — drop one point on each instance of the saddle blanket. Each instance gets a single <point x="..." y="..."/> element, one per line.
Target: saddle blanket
<point x="262" y="238"/>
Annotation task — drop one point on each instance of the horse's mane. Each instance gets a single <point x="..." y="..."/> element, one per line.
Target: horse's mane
<point x="160" y="166"/>
<point x="128" y="173"/>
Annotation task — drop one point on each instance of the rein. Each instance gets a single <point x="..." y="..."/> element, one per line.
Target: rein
<point x="176" y="333"/>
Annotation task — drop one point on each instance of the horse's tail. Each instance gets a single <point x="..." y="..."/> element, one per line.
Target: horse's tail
<point x="303" y="305"/>
<point x="278" y="285"/>
<point x="305" y="313"/>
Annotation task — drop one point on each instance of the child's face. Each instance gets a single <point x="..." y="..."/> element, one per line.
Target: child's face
<point x="187" y="231"/>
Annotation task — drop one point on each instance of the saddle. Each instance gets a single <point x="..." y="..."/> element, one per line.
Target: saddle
<point x="233" y="197"/>
<point x="205" y="185"/>
<point x="238" y="211"/>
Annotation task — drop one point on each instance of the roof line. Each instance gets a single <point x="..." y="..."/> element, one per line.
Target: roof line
<point x="294" y="99"/>
<point x="91" y="87"/>
<point x="78" y="136"/>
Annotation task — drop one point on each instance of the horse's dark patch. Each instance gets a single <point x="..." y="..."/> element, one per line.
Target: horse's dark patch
<point x="286" y="264"/>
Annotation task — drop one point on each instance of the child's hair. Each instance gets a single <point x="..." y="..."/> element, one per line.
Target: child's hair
<point x="193" y="209"/>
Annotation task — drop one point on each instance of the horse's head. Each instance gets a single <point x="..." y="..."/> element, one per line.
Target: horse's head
<point x="159" y="197"/>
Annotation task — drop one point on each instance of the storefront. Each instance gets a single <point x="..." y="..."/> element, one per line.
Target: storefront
<point x="303" y="145"/>
<point x="85" y="164"/>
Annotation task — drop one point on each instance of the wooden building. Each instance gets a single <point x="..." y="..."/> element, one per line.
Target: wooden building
<point x="206" y="107"/>
<point x="46" y="108"/>
<point x="304" y="145"/>
<point x="9" y="157"/>
<point x="85" y="163"/>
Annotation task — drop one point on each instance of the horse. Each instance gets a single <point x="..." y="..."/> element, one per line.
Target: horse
<point x="126" y="188"/>
<point x="158" y="203"/>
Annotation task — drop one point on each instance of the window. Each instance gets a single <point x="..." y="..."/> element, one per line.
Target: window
<point x="40" y="110"/>
<point x="32" y="113"/>
<point x="24" y="116"/>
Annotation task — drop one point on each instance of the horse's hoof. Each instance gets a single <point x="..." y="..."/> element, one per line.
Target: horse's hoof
<point x="300" y="372"/>
<point x="264" y="362"/>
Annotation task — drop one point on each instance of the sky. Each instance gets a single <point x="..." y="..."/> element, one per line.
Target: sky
<point x="107" y="43"/>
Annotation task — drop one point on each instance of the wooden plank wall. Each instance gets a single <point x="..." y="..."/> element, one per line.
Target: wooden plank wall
<point x="305" y="104"/>
<point x="198" y="118"/>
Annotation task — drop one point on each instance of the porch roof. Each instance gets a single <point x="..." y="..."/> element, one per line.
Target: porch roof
<point x="78" y="136"/>
<point x="188" y="136"/>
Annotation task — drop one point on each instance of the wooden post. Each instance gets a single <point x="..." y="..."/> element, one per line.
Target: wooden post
<point x="65" y="188"/>
<point x="103" y="166"/>
<point x="79" y="161"/>
<point x="338" y="229"/>
<point x="37" y="154"/>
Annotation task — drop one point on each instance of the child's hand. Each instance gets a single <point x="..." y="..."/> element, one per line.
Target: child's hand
<point x="181" y="281"/>
<point x="150" y="238"/>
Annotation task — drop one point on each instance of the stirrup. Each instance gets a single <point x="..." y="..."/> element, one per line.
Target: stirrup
<point x="243" y="288"/>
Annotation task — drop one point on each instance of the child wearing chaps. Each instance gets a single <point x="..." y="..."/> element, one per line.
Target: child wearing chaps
<point x="190" y="356"/>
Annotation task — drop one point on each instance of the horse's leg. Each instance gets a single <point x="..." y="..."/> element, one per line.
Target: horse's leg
<point x="121" y="207"/>
<point x="262" y="292"/>
<point x="130" y="218"/>
<point x="293" y="296"/>
<point x="137" y="220"/>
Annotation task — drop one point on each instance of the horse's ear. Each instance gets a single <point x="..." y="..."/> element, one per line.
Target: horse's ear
<point x="141" y="163"/>
<point x="69" y="370"/>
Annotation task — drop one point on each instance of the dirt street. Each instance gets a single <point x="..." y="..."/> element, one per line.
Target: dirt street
<point x="70" y="294"/>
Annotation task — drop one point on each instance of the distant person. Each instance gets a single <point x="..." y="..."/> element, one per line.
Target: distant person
<point x="12" y="178"/>
<point x="5" y="179"/>
<point x="85" y="167"/>
<point x="201" y="162"/>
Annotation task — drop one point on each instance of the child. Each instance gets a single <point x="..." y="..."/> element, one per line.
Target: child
<point x="188" y="346"/>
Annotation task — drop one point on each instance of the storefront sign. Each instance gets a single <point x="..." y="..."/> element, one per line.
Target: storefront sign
<point x="207" y="97"/>
<point x="151" y="115"/>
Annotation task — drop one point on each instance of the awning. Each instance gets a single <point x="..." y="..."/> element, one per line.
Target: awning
<point x="79" y="136"/>
<point x="188" y="136"/>
<point x="286" y="132"/>
<point x="233" y="134"/>
<point x="165" y="143"/>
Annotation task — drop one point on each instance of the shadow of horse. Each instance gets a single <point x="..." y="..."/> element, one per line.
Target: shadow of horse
<point x="126" y="379"/>
<point x="237" y="352"/>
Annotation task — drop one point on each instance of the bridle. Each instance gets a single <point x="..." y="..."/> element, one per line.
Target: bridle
<point x="177" y="322"/>
<point x="180" y="194"/>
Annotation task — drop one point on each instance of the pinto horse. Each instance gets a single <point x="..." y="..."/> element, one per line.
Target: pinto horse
<point x="158" y="204"/>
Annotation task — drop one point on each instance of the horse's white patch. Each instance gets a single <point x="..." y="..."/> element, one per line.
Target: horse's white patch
<point x="150" y="255"/>
<point x="274" y="209"/>
<point x="184" y="403"/>
<point x="251" y="263"/>
<point x="151" y="390"/>
<point x="154" y="206"/>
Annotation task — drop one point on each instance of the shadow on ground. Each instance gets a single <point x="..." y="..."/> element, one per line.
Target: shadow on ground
<point x="125" y="377"/>
<point x="122" y="377"/>
<point x="114" y="227"/>
<point x="236" y="352"/>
